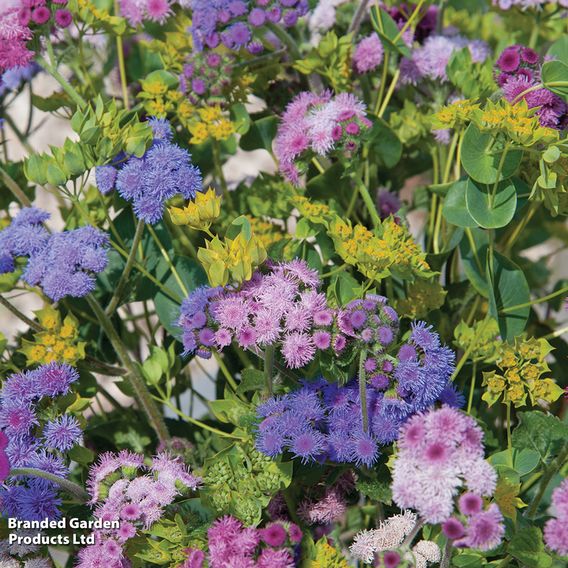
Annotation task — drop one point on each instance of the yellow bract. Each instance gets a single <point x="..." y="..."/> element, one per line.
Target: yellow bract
<point x="198" y="214"/>
<point x="58" y="342"/>
<point x="455" y="114"/>
<point x="327" y="556"/>
<point x="521" y="367"/>
<point x="209" y="122"/>
<point x="231" y="259"/>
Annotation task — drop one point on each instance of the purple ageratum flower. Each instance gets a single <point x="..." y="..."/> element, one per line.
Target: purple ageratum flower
<point x="53" y="379"/>
<point x="105" y="177"/>
<point x="368" y="54"/>
<point x="62" y="433"/>
<point x="443" y="445"/>
<point x="484" y="530"/>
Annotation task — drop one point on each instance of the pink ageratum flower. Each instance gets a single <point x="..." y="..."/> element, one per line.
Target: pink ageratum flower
<point x="368" y="54"/>
<point x="318" y="125"/>
<point x="556" y="529"/>
<point x="484" y="530"/>
<point x="14" y="35"/>
<point x="440" y="452"/>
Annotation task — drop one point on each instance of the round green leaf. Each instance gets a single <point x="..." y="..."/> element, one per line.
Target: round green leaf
<point x="555" y="77"/>
<point x="455" y="208"/>
<point x="488" y="211"/>
<point x="481" y="160"/>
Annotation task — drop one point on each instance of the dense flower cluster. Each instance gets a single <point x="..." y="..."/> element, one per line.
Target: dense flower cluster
<point x="37" y="439"/>
<point x="232" y="23"/>
<point x="34" y="13"/>
<point x="318" y="125"/>
<point x="429" y="61"/>
<point x="368" y="54"/>
<point x="280" y="307"/>
<point x="123" y="488"/>
<point x="164" y="171"/>
<point x="138" y="11"/>
<point x="14" y="36"/>
<point x="481" y="529"/>
<point x="518" y="74"/>
<point x="439" y="452"/>
<point x="526" y="4"/>
<point x="63" y="264"/>
<point x="232" y="544"/>
<point x="556" y="529"/>
<point x="205" y="75"/>
<point x="324" y="421"/>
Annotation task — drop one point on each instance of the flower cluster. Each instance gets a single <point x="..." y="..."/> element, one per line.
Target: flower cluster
<point x="37" y="438"/>
<point x="518" y="74"/>
<point x="57" y="342"/>
<point x="14" y="78"/>
<point x="481" y="529"/>
<point x="556" y="529"/>
<point x="439" y="452"/>
<point x="429" y="61"/>
<point x="318" y="125"/>
<point x="232" y="23"/>
<point x="13" y="38"/>
<point x="368" y="54"/>
<point x="164" y="171"/>
<point x="44" y="12"/>
<point x="232" y="544"/>
<point x="324" y="421"/>
<point x="527" y="4"/>
<point x="210" y="123"/>
<point x="280" y="307"/>
<point x="521" y="368"/>
<point x="138" y="11"/>
<point x="205" y="76"/>
<point x="63" y="264"/>
<point x="124" y="489"/>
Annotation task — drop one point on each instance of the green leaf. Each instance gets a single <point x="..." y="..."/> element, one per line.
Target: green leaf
<point x="241" y="118"/>
<point x="473" y="257"/>
<point x="81" y="455"/>
<point x="35" y="169"/>
<point x="55" y="175"/>
<point x="385" y="144"/>
<point x="542" y="433"/>
<point x="559" y="49"/>
<point x="527" y="546"/>
<point x="251" y="380"/>
<point x="239" y="225"/>
<point x="482" y="162"/>
<point x="524" y="461"/>
<point x="555" y="77"/>
<point x="388" y="31"/>
<point x="54" y="102"/>
<point x="455" y="208"/>
<point x="260" y="134"/>
<point x="376" y="490"/>
<point x="488" y="210"/>
<point x="508" y="287"/>
<point x="468" y="560"/>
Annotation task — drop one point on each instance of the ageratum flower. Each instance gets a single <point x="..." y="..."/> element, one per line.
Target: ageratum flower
<point x="556" y="529"/>
<point x="164" y="171"/>
<point x="137" y="11"/>
<point x="14" y="36"/>
<point x="526" y="4"/>
<point x="234" y="23"/>
<point x="123" y="488"/>
<point x="31" y="438"/>
<point x="318" y="125"/>
<point x="440" y="452"/>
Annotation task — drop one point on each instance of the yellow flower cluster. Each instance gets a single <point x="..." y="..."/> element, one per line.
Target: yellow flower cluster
<point x="327" y="556"/>
<point x="521" y="367"/>
<point x="208" y="123"/>
<point x="517" y="121"/>
<point x="315" y="212"/>
<point x="422" y="296"/>
<point x="58" y="342"/>
<point x="266" y="232"/>
<point x="455" y="115"/>
<point x="198" y="214"/>
<point x="160" y="99"/>
<point x="231" y="259"/>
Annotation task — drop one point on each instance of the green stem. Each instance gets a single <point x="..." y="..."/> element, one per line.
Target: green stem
<point x="121" y="66"/>
<point x="168" y="260"/>
<point x="127" y="269"/>
<point x="410" y="20"/>
<point x="69" y="486"/>
<point x="560" y="292"/>
<point x="51" y="69"/>
<point x="363" y="390"/>
<point x="509" y="440"/>
<point x="31" y="324"/>
<point x="334" y="271"/>
<point x="558" y="333"/>
<point x="15" y="188"/>
<point x="550" y="472"/>
<point x="471" y="388"/>
<point x="286" y="39"/>
<point x="268" y="369"/>
<point x="358" y="17"/>
<point x="447" y="556"/>
<point x="368" y="200"/>
<point x="389" y="94"/>
<point x="225" y="371"/>
<point x="134" y="378"/>
<point x="220" y="175"/>
<point x="383" y="84"/>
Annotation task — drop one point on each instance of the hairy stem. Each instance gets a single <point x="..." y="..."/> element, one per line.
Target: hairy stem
<point x="69" y="486"/>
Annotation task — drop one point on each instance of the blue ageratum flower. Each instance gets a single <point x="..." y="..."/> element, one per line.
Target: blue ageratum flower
<point x="164" y="171"/>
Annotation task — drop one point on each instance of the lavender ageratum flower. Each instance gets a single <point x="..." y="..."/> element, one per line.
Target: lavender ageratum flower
<point x="527" y="4"/>
<point x="164" y="171"/>
<point x="368" y="54"/>
<point x="439" y="453"/>
<point x="105" y="177"/>
<point x="12" y="79"/>
<point x="138" y="11"/>
<point x="62" y="433"/>
<point x="233" y="22"/>
<point x="556" y="529"/>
